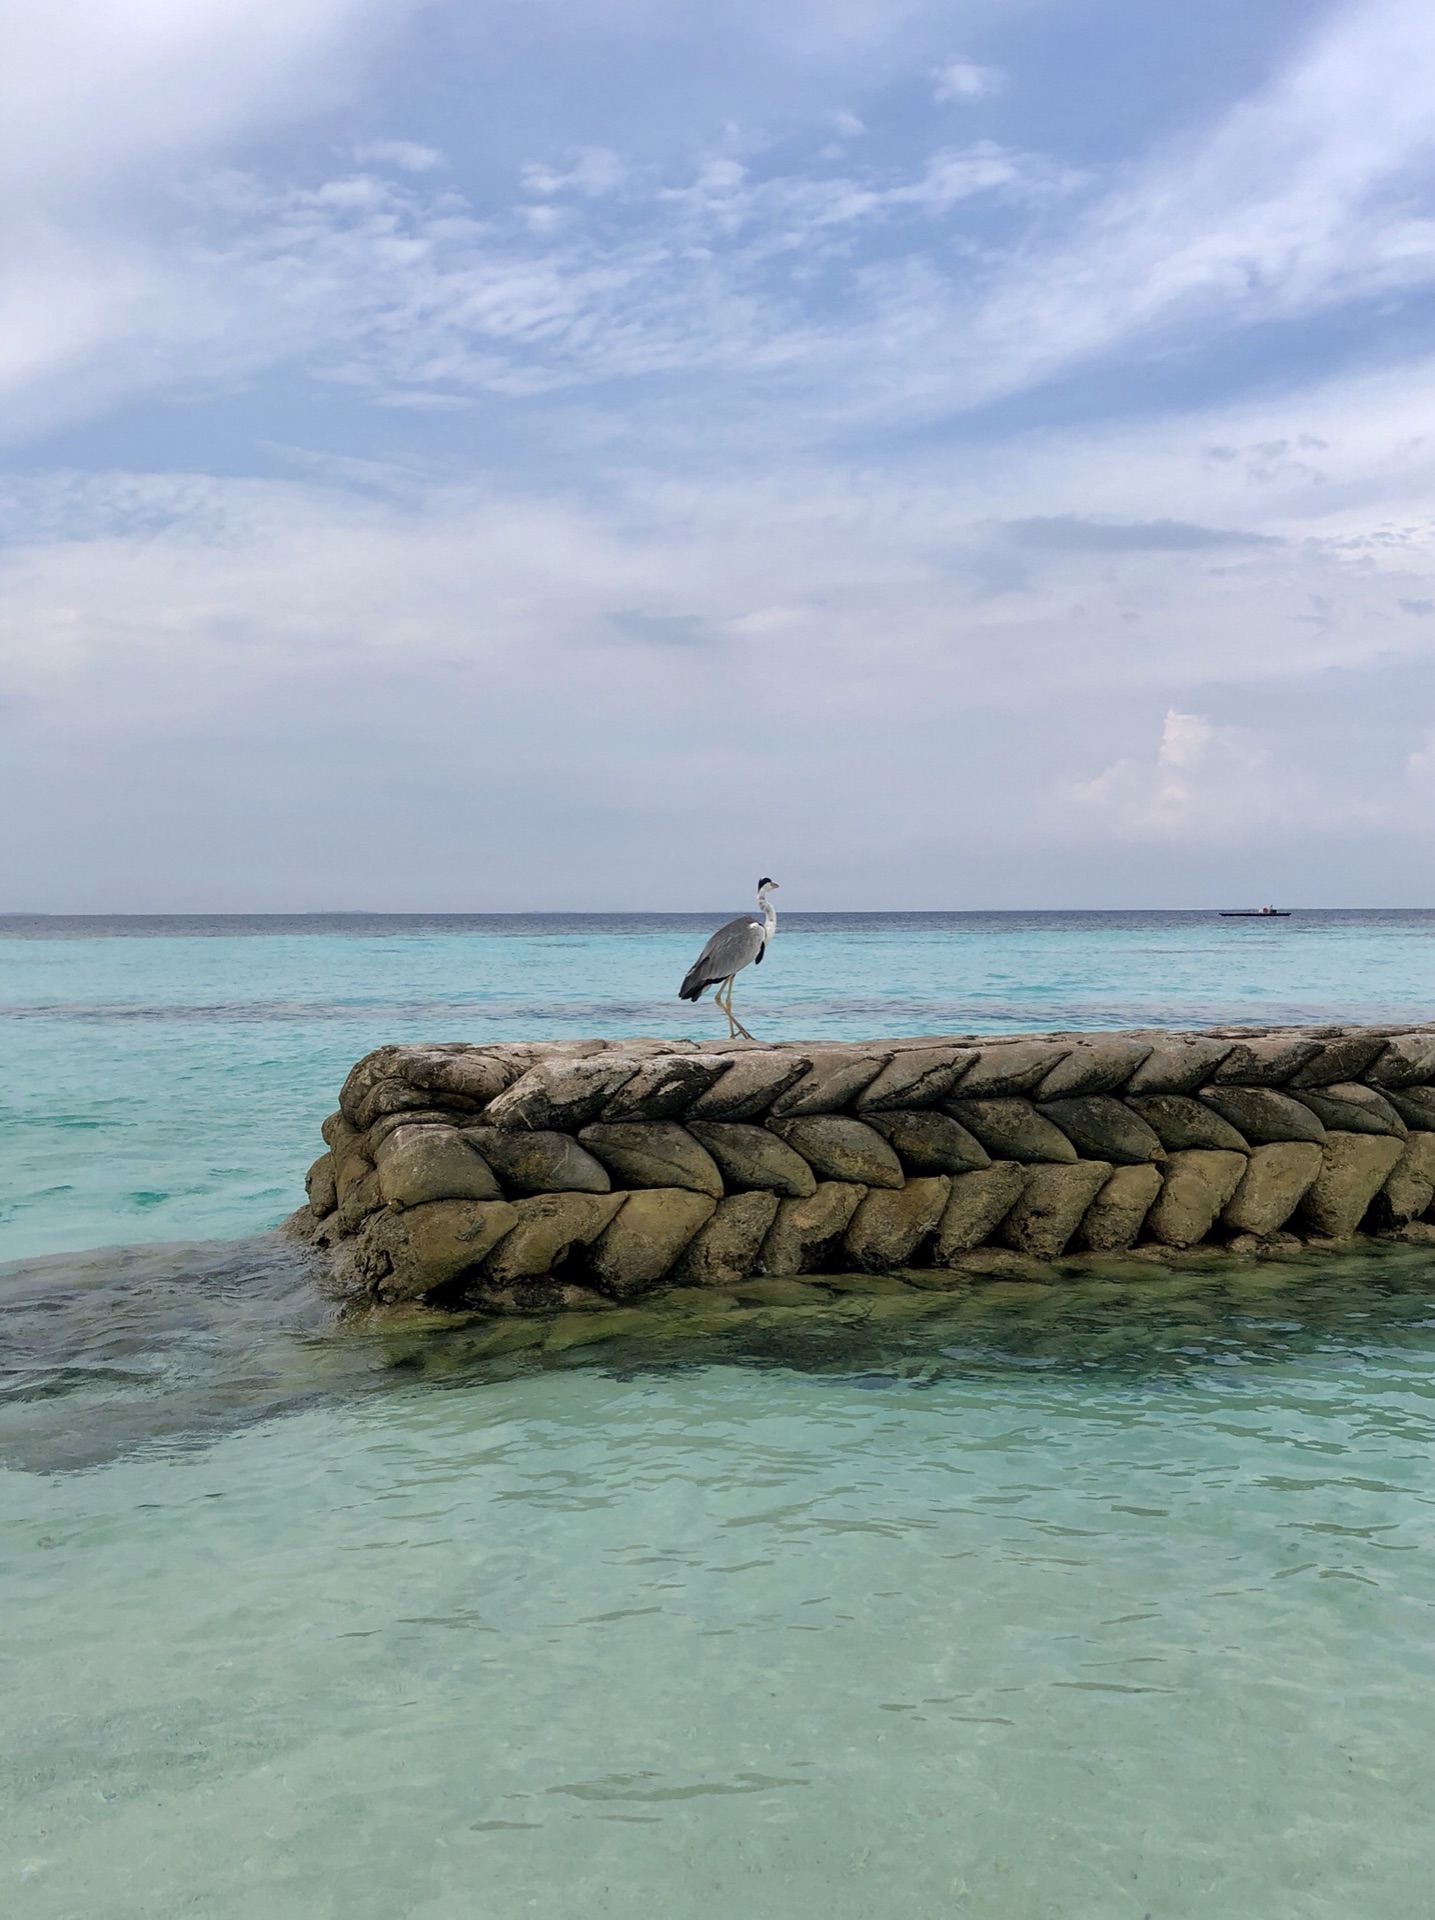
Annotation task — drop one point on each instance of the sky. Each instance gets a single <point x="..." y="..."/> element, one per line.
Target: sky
<point x="537" y="454"/>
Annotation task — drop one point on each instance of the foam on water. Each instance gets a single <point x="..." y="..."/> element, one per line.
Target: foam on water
<point x="1113" y="1597"/>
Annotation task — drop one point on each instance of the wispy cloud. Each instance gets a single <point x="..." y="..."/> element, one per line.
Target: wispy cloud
<point x="965" y="80"/>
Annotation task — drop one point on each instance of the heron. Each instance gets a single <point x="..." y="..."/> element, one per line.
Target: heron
<point x="741" y="943"/>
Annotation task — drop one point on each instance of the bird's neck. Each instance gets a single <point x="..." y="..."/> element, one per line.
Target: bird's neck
<point x="769" y="914"/>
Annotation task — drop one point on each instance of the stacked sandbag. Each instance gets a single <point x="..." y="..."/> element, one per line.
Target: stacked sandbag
<point x="526" y="1176"/>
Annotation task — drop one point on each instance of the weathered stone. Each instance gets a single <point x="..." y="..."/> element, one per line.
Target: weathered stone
<point x="750" y="1085"/>
<point x="1262" y="1115"/>
<point x="1275" y="1181"/>
<point x="1354" y="1167"/>
<point x="356" y="1190"/>
<point x="916" y="1077"/>
<point x="979" y="1203"/>
<point x="1411" y="1186"/>
<point x="338" y="1134"/>
<point x="411" y="1253"/>
<point x="727" y="1248"/>
<point x="1198" y="1183"/>
<point x="644" y="1240"/>
<point x="1010" y="1067"/>
<point x="540" y="1162"/>
<point x="1115" y="1217"/>
<point x="1012" y="1129"/>
<point x="1101" y="1128"/>
<point x="837" y="1148"/>
<point x="888" y="1227"/>
<point x="749" y="1156"/>
<point x="562" y="1094"/>
<point x="471" y="1074"/>
<point x="836" y="1076"/>
<point x="541" y="1296"/>
<point x="388" y="1123"/>
<point x="1053" y="1200"/>
<point x="417" y="1164"/>
<point x="1407" y="1060"/>
<point x="1353" y="1108"/>
<point x="362" y="1077"/>
<point x="388" y="1096"/>
<point x="320" y="1187"/>
<point x="1266" y="1062"/>
<point x="666" y="1086"/>
<point x="1099" y="1065"/>
<point x="548" y="1228"/>
<point x="928" y="1142"/>
<point x="1177" y="1063"/>
<point x="1178" y="1121"/>
<point x="653" y="1153"/>
<point x="805" y="1232"/>
<point x="1418" y="1233"/>
<point x="1348" y="1058"/>
<point x="1415" y="1105"/>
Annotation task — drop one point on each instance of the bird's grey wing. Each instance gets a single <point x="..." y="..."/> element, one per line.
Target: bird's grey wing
<point x="730" y="948"/>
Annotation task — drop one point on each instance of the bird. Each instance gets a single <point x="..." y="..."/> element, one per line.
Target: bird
<point x="742" y="942"/>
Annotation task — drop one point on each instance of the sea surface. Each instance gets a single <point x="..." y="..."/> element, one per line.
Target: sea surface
<point x="1114" y="1596"/>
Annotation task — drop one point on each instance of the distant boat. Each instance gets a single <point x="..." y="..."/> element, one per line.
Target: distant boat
<point x="1255" y="913"/>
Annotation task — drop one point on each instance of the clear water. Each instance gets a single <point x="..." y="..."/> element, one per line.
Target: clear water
<point x="1109" y="1597"/>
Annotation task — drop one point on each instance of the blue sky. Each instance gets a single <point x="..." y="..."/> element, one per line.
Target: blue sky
<point x="490" y="456"/>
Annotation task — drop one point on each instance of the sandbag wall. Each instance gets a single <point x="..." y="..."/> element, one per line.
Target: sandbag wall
<point x="527" y="1177"/>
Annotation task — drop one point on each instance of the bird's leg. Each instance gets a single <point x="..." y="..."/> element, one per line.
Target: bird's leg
<point x="726" y="1006"/>
<point x="733" y="1017"/>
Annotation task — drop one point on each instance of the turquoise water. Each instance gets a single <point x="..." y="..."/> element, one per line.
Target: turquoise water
<point x="1111" y="1597"/>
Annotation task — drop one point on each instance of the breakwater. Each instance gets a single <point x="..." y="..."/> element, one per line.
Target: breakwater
<point x="529" y="1178"/>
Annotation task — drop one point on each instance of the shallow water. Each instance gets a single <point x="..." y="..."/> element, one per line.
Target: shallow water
<point x="1113" y="1596"/>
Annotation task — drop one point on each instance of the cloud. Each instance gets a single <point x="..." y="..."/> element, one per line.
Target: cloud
<point x="405" y="154"/>
<point x="1070" y="532"/>
<point x="1204" y="780"/>
<point x="964" y="80"/>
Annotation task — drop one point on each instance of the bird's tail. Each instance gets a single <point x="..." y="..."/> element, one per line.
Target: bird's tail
<point x="694" y="986"/>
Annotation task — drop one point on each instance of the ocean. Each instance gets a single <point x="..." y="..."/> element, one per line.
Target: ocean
<point x="1085" y="1600"/>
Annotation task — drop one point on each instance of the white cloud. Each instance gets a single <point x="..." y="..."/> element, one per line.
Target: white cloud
<point x="1204" y="781"/>
<point x="964" y="80"/>
<point x="405" y="154"/>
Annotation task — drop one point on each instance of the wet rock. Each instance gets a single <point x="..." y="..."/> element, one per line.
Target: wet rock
<point x="1003" y="1068"/>
<point x="1262" y="1115"/>
<point x="749" y="1156"/>
<point x="562" y="1094"/>
<point x="1411" y="1186"/>
<point x="320" y="1187"/>
<point x="1198" y="1183"/>
<point x="637" y="1248"/>
<point x="540" y="1162"/>
<point x="542" y="1296"/>
<point x="1276" y="1179"/>
<point x="653" y="1153"/>
<point x="888" y="1227"/>
<point x="1093" y="1066"/>
<point x="1353" y="1108"/>
<point x="417" y="1164"/>
<point x="1012" y="1129"/>
<point x="1101" y="1128"/>
<point x="835" y="1077"/>
<point x="409" y="1254"/>
<point x="1053" y="1201"/>
<point x="1347" y="1058"/>
<point x="356" y="1190"/>
<point x="1354" y="1167"/>
<point x="978" y="1204"/>
<point x="837" y="1148"/>
<point x="805" y="1232"/>
<point x="1415" y="1105"/>
<point x="750" y="1085"/>
<point x="916" y="1077"/>
<point x="727" y="1248"/>
<point x="1177" y="1063"/>
<point x="1178" y="1121"/>
<point x="548" y="1229"/>
<point x="666" y="1086"/>
<point x="1407" y="1060"/>
<point x="1417" y="1233"/>
<point x="1266" y="1062"/>
<point x="927" y="1142"/>
<point x="1114" y="1220"/>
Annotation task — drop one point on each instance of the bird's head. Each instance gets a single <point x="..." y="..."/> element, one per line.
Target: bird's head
<point x="765" y="883"/>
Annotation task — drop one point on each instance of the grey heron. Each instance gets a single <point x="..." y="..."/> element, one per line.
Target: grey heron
<point x="741" y="943"/>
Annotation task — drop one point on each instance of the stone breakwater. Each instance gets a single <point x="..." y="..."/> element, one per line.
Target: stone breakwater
<point x="534" y="1177"/>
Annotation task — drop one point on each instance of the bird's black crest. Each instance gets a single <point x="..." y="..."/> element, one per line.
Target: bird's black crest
<point x="765" y="881"/>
